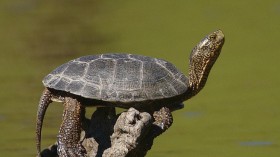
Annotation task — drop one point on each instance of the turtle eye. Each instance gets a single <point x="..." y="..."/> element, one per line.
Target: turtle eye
<point x="213" y="37"/>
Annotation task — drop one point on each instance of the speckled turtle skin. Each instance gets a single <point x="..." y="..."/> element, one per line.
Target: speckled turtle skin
<point x="122" y="80"/>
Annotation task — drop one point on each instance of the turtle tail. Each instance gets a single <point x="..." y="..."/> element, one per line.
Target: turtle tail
<point x="45" y="100"/>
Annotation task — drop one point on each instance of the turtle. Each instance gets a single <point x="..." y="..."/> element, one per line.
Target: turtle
<point x="122" y="80"/>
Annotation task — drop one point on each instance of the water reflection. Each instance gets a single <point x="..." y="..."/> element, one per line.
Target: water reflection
<point x="256" y="143"/>
<point x="192" y="114"/>
<point x="2" y="118"/>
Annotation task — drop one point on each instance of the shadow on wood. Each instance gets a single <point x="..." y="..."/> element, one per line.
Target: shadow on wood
<point x="129" y="134"/>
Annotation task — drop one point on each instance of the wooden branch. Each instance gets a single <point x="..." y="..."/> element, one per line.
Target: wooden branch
<point x="129" y="134"/>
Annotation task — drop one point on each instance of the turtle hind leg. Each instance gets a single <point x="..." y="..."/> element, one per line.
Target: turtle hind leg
<point x="69" y="144"/>
<point x="44" y="102"/>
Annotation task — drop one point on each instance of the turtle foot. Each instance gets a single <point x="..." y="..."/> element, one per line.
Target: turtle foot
<point x="163" y="118"/>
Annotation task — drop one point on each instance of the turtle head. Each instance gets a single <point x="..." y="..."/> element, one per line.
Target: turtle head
<point x="202" y="59"/>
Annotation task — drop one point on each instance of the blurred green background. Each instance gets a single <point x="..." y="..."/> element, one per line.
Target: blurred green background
<point x="236" y="115"/>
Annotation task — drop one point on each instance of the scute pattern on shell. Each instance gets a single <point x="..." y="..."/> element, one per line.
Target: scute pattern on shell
<point x="118" y="77"/>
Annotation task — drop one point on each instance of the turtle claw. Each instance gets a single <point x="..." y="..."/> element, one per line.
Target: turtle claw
<point x="64" y="151"/>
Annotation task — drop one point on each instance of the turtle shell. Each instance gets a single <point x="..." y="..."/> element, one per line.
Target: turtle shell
<point x="118" y="78"/>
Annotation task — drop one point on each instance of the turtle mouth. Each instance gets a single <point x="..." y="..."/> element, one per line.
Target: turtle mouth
<point x="220" y="37"/>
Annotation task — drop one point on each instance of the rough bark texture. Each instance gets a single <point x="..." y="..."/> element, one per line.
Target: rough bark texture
<point x="129" y="134"/>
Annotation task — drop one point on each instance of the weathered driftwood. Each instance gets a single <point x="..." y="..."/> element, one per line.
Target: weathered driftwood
<point x="129" y="134"/>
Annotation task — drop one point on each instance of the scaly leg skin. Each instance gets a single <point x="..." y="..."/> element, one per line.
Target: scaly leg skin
<point x="163" y="120"/>
<point x="69" y="144"/>
<point x="163" y="117"/>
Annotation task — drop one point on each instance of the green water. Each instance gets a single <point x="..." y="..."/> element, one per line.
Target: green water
<point x="237" y="113"/>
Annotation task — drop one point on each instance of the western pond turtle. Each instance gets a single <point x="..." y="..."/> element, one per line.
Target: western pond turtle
<point x="122" y="80"/>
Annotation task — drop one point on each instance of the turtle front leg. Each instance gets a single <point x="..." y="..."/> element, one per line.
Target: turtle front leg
<point x="163" y="120"/>
<point x="69" y="144"/>
<point x="163" y="117"/>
